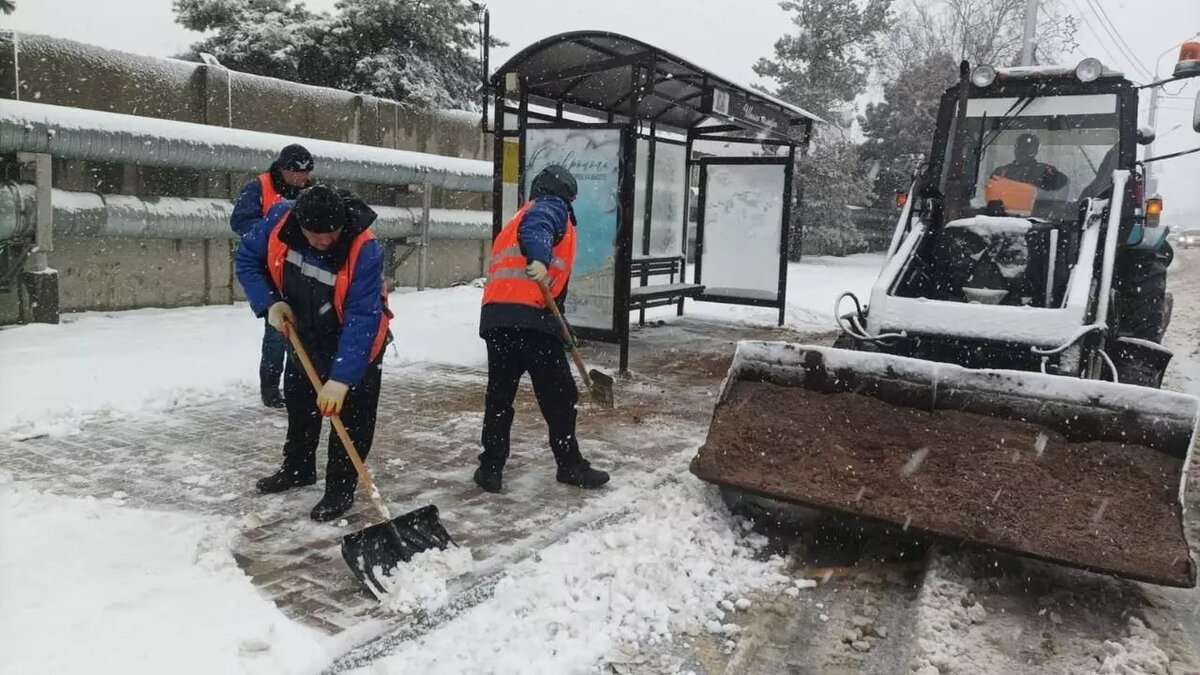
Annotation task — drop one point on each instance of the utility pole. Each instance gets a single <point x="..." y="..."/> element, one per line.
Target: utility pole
<point x="1152" y="122"/>
<point x="1031" y="12"/>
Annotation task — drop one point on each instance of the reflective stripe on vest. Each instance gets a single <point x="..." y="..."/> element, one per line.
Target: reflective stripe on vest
<point x="278" y="254"/>
<point x="507" y="281"/>
<point x="269" y="196"/>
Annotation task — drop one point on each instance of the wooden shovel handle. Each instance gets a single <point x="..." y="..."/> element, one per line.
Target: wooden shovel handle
<point x="338" y="427"/>
<point x="566" y="332"/>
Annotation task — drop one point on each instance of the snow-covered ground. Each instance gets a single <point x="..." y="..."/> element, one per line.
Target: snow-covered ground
<point x="679" y="566"/>
<point x="88" y="586"/>
<point x="54" y="377"/>
<point x="95" y="586"/>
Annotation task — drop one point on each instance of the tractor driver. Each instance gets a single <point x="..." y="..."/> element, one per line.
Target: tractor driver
<point x="1026" y="169"/>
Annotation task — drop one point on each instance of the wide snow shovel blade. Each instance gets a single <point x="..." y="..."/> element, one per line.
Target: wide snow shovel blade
<point x="599" y="385"/>
<point x="378" y="550"/>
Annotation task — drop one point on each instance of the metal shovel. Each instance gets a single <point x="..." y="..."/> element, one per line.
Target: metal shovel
<point x="599" y="385"/>
<point x="376" y="551"/>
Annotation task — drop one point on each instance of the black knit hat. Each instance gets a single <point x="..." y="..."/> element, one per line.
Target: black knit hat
<point x="554" y="181"/>
<point x="295" y="157"/>
<point x="319" y="209"/>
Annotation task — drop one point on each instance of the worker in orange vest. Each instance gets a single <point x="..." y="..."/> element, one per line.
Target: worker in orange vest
<point x="536" y="247"/>
<point x="288" y="175"/>
<point x="313" y="266"/>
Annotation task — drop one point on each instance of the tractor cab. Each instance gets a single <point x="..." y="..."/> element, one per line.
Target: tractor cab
<point x="1017" y="155"/>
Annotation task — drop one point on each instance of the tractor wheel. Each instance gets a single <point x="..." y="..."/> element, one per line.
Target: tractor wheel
<point x="1145" y="306"/>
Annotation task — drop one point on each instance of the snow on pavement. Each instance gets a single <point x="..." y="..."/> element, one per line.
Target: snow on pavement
<point x="653" y="577"/>
<point x="91" y="586"/>
<point x="53" y="377"/>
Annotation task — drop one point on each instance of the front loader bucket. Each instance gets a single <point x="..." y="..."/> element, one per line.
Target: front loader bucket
<point x="1078" y="472"/>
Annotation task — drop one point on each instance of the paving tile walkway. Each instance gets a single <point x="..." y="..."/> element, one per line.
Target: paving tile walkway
<point x="205" y="458"/>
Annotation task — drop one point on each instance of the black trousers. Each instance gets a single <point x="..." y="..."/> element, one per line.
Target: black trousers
<point x="305" y="422"/>
<point x="270" y="364"/>
<point x="512" y="352"/>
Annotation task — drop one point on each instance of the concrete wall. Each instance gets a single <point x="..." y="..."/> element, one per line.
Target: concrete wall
<point x="107" y="274"/>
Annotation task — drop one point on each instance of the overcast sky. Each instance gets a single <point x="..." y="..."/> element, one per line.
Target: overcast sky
<point x="726" y="36"/>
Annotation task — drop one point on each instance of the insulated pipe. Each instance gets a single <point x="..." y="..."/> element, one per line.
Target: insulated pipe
<point x="87" y="214"/>
<point x="76" y="133"/>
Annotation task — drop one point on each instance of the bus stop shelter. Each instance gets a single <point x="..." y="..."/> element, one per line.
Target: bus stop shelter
<point x="636" y="126"/>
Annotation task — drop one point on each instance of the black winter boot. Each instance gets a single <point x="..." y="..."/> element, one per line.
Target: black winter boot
<point x="582" y="475"/>
<point x="272" y="398"/>
<point x="286" y="479"/>
<point x="488" y="479"/>
<point x="333" y="505"/>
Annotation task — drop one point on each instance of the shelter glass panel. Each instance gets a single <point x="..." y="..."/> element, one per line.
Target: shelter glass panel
<point x="666" y="213"/>
<point x="743" y="217"/>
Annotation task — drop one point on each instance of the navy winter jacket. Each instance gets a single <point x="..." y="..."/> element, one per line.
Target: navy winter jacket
<point x="364" y="305"/>
<point x="247" y="212"/>
<point x="542" y="228"/>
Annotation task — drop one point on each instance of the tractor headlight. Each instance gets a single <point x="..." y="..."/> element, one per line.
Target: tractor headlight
<point x="1089" y="70"/>
<point x="983" y="76"/>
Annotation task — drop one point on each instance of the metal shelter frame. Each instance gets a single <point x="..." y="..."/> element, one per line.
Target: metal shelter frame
<point x="599" y="79"/>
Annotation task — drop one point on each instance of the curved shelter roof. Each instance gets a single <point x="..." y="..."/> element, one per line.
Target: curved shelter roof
<point x="602" y="72"/>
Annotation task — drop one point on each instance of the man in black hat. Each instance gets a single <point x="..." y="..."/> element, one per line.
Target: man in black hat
<point x="536" y="247"/>
<point x="289" y="174"/>
<point x="1025" y="167"/>
<point x="314" y="267"/>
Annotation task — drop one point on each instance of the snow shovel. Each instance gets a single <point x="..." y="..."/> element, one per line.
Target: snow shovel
<point x="599" y="385"/>
<point x="376" y="551"/>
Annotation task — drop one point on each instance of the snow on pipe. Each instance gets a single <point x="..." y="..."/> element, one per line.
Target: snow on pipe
<point x="87" y="214"/>
<point x="76" y="133"/>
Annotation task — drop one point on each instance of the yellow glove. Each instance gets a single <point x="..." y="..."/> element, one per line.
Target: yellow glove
<point x="331" y="398"/>
<point x="280" y="316"/>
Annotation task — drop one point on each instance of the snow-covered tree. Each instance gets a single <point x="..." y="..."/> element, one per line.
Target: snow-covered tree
<point x="899" y="129"/>
<point x="833" y="181"/>
<point x="8" y="6"/>
<point x="823" y="66"/>
<point x="418" y="52"/>
<point x="825" y="63"/>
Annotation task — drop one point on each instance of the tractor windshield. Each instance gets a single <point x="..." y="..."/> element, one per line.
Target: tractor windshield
<point x="1027" y="157"/>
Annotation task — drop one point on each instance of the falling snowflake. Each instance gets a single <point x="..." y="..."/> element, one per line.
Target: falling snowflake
<point x="914" y="462"/>
<point x="1039" y="445"/>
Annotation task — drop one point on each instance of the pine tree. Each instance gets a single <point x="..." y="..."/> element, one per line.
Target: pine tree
<point x="418" y="52"/>
<point x="823" y="67"/>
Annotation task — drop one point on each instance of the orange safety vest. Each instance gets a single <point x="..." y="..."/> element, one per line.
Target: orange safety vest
<point x="507" y="281"/>
<point x="277" y="255"/>
<point x="269" y="196"/>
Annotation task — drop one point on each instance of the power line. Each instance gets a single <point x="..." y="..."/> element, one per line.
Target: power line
<point x="1107" y="24"/>
<point x="1099" y="40"/>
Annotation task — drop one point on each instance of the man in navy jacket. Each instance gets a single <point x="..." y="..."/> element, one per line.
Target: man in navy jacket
<point x="536" y="247"/>
<point x="314" y="267"/>
<point x="288" y="175"/>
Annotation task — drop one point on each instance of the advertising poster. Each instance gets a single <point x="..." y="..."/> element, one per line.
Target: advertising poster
<point x="593" y="156"/>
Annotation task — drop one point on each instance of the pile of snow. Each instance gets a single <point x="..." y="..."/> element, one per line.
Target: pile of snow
<point x="1136" y="653"/>
<point x="662" y="573"/>
<point x="92" y="587"/>
<point x="421" y="582"/>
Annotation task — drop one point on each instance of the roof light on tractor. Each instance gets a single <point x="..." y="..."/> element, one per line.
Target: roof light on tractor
<point x="1189" y="60"/>
<point x="983" y="76"/>
<point x="1089" y="70"/>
